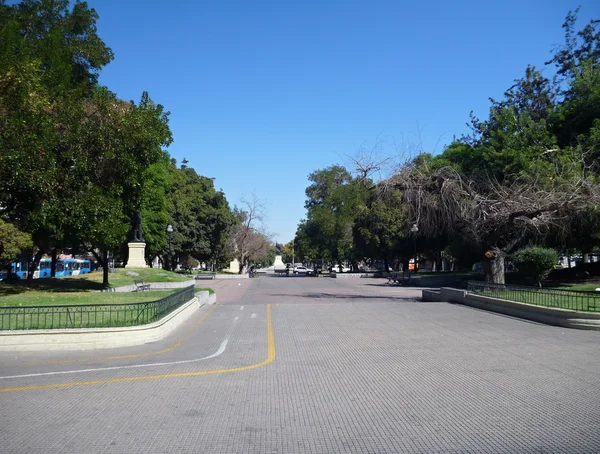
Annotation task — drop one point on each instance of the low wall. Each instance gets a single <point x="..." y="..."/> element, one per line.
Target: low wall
<point x="95" y="338"/>
<point x="548" y="315"/>
<point x="232" y="276"/>
<point x="432" y="296"/>
<point x="351" y="275"/>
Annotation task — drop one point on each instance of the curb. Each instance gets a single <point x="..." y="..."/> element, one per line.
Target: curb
<point x="547" y="315"/>
<point x="96" y="338"/>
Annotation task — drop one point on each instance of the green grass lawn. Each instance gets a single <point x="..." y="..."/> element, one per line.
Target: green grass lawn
<point x="43" y="298"/>
<point x="54" y="310"/>
<point x="79" y="291"/>
<point x="120" y="277"/>
<point x="579" y="287"/>
<point x="88" y="282"/>
<point x="549" y="298"/>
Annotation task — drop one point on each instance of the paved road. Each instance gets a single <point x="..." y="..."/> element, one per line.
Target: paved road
<point x="307" y="365"/>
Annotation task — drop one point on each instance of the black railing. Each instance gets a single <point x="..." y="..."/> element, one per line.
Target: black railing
<point x="563" y="299"/>
<point x="92" y="315"/>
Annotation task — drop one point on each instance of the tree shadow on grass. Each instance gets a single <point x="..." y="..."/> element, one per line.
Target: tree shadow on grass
<point x="63" y="285"/>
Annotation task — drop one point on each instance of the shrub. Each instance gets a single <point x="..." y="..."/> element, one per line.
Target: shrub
<point x="536" y="261"/>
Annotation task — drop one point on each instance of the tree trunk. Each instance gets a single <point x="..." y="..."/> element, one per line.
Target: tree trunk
<point x="53" y="263"/>
<point x="33" y="265"/>
<point x="105" y="269"/>
<point x="103" y="261"/>
<point x="494" y="268"/>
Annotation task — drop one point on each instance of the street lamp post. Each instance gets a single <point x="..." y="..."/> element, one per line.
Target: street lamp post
<point x="169" y="232"/>
<point x="414" y="230"/>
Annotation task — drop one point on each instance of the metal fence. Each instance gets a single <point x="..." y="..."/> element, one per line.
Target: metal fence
<point x="563" y="299"/>
<point x="92" y="315"/>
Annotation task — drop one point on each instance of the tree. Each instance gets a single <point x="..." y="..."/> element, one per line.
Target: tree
<point x="158" y="183"/>
<point x="526" y="171"/>
<point x="63" y="39"/>
<point x="51" y="57"/>
<point x="200" y="216"/>
<point x="117" y="143"/>
<point x="12" y="243"/>
<point x="536" y="261"/>
<point x="494" y="218"/>
<point x="380" y="230"/>
<point x="288" y="253"/>
<point x="333" y="200"/>
<point x="580" y="46"/>
<point x="249" y="241"/>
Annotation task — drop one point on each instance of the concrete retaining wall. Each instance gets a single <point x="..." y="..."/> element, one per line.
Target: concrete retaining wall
<point x="95" y="338"/>
<point x="432" y="296"/>
<point x="351" y="275"/>
<point x="548" y="315"/>
<point x="232" y="276"/>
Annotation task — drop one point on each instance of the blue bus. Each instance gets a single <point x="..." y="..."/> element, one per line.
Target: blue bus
<point x="43" y="269"/>
<point x="64" y="267"/>
<point x="20" y="269"/>
<point x="73" y="267"/>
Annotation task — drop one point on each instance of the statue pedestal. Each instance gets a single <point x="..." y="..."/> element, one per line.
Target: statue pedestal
<point x="234" y="266"/>
<point x="279" y="265"/>
<point x="137" y="258"/>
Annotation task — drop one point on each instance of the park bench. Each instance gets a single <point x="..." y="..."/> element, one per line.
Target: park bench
<point x="140" y="286"/>
<point x="207" y="275"/>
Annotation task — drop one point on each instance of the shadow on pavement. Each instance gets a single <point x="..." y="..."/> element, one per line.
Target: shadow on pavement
<point x="317" y="296"/>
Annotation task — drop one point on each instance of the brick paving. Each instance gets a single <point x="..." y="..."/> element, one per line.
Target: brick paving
<point x="360" y="367"/>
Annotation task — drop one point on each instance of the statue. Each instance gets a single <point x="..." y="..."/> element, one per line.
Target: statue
<point x="278" y="248"/>
<point x="136" y="228"/>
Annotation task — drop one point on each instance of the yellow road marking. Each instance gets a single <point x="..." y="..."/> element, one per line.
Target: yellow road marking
<point x="137" y="355"/>
<point x="270" y="358"/>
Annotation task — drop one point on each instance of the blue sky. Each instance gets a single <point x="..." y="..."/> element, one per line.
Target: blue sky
<point x="262" y="93"/>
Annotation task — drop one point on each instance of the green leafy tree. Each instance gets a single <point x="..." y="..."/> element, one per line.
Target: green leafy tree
<point x="13" y="242"/>
<point x="118" y="142"/>
<point x="380" y="230"/>
<point x="200" y="216"/>
<point x="287" y="252"/>
<point x="158" y="183"/>
<point x="536" y="261"/>
<point x="51" y="57"/>
<point x="333" y="199"/>
<point x="63" y="37"/>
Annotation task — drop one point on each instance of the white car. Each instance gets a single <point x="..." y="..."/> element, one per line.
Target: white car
<point x="302" y="270"/>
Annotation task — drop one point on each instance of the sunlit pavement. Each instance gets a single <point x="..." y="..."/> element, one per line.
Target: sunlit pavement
<point x="300" y="364"/>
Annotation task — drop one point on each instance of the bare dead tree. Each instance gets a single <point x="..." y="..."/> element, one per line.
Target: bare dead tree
<point x="249" y="240"/>
<point x="493" y="217"/>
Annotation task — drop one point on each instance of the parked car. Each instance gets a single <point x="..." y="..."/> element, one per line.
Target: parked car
<point x="303" y="270"/>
